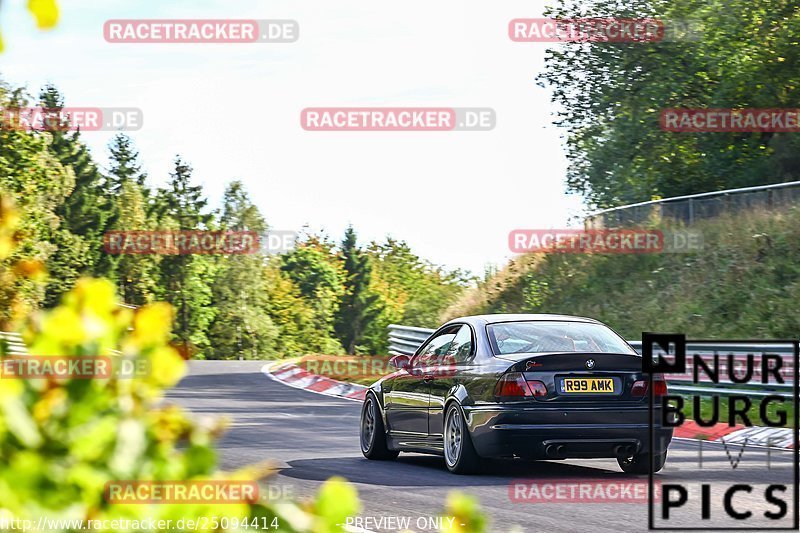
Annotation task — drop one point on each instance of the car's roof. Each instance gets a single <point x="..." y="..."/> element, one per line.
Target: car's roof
<point x="482" y="320"/>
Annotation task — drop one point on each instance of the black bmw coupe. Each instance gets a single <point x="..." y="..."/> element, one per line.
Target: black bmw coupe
<point x="517" y="386"/>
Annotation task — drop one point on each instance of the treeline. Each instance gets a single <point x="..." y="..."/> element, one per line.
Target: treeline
<point x="321" y="296"/>
<point x="736" y="54"/>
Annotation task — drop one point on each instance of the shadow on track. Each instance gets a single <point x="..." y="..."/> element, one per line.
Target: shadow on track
<point x="429" y="471"/>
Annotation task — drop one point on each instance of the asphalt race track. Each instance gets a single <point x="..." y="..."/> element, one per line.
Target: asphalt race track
<point x="312" y="437"/>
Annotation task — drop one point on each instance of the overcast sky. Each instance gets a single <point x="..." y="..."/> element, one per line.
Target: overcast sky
<point x="233" y="112"/>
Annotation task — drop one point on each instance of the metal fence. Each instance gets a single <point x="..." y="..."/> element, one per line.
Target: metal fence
<point x="688" y="209"/>
<point x="404" y="340"/>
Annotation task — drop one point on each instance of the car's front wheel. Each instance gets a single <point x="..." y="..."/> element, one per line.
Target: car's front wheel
<point x="640" y="463"/>
<point x="459" y="454"/>
<point x="373" y="434"/>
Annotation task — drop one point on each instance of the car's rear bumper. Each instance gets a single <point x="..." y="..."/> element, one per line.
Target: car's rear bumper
<point x="554" y="433"/>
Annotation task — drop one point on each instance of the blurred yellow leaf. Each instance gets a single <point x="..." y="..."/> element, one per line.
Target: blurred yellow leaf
<point x="97" y="296"/>
<point x="166" y="367"/>
<point x="45" y="11"/>
<point x="337" y="499"/>
<point x="152" y="324"/>
<point x="27" y="268"/>
<point x="462" y="514"/>
<point x="64" y="326"/>
<point x="7" y="242"/>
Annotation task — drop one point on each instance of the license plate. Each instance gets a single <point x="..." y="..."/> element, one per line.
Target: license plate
<point x="587" y="386"/>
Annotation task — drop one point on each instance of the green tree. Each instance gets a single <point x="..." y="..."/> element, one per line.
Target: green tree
<point x="358" y="305"/>
<point x="411" y="291"/>
<point x="185" y="279"/>
<point x="738" y="54"/>
<point x="242" y="327"/>
<point x="38" y="182"/>
<point x="125" y="165"/>
<point x="137" y="274"/>
<point x="316" y="272"/>
<point x="86" y="212"/>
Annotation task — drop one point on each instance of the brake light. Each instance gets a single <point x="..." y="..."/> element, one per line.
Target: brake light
<point x="639" y="388"/>
<point x="512" y="384"/>
<point x="538" y="388"/>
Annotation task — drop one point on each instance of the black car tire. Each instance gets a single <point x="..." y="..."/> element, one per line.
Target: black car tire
<point x="640" y="463"/>
<point x="373" y="434"/>
<point x="459" y="453"/>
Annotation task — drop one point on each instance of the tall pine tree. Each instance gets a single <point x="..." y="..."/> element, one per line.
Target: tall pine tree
<point x="358" y="305"/>
<point x="85" y="214"/>
<point x="185" y="279"/>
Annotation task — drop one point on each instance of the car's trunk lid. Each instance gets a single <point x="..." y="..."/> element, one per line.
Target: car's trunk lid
<point x="579" y="377"/>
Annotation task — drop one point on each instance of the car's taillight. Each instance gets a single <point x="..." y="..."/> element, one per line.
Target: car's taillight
<point x="512" y="384"/>
<point x="639" y="388"/>
<point x="538" y="388"/>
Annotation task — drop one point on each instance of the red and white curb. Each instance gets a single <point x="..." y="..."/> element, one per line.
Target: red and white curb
<point x="752" y="436"/>
<point x="295" y="376"/>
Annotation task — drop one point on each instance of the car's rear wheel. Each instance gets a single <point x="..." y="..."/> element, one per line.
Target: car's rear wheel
<point x="640" y="463"/>
<point x="459" y="454"/>
<point x="373" y="434"/>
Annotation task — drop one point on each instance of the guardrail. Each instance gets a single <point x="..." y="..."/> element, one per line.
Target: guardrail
<point x="404" y="340"/>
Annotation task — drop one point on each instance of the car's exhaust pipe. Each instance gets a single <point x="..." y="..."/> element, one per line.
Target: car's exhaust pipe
<point x="625" y="450"/>
<point x="557" y="451"/>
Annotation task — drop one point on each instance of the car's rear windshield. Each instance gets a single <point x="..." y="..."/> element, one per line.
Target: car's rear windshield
<point x="554" y="336"/>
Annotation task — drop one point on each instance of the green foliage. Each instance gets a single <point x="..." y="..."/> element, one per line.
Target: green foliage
<point x="316" y="271"/>
<point x="611" y="96"/>
<point x="39" y="183"/>
<point x="411" y="291"/>
<point x="86" y="212"/>
<point x="184" y="278"/>
<point x="358" y="306"/>
<point x="313" y="299"/>
<point x="242" y="324"/>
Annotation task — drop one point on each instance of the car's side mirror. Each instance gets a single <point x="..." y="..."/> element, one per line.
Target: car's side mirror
<point x="401" y="362"/>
